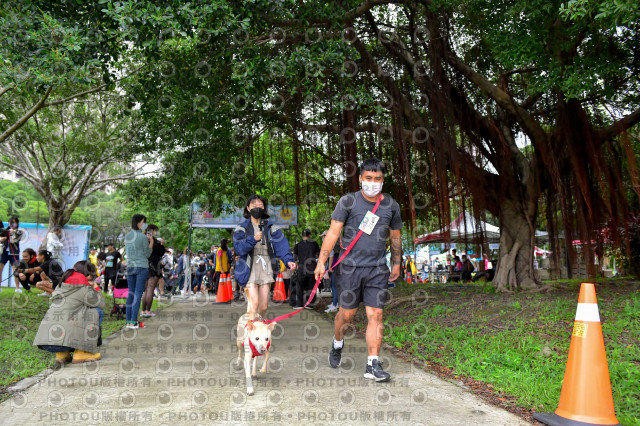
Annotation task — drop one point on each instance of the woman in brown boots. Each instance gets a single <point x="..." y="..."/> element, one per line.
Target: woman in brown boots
<point x="72" y="323"/>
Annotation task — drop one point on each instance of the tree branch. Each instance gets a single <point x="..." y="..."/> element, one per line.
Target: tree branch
<point x="27" y="116"/>
<point x="620" y="126"/>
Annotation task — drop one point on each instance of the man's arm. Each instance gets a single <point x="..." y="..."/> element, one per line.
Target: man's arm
<point x="396" y="253"/>
<point x="396" y="247"/>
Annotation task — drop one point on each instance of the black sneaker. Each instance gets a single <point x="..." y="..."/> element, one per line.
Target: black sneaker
<point x="335" y="356"/>
<point x="375" y="372"/>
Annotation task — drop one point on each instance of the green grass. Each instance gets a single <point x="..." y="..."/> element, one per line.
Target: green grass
<point x="499" y="339"/>
<point x="20" y="316"/>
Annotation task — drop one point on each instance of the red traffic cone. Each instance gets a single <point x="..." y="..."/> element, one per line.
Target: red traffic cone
<point x="586" y="397"/>
<point x="279" y="293"/>
<point x="221" y="295"/>
<point x="229" y="287"/>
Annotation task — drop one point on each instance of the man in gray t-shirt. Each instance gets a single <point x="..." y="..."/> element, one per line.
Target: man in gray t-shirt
<point x="363" y="275"/>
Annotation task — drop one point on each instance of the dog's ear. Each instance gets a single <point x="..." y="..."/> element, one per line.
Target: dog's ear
<point x="272" y="326"/>
<point x="250" y="326"/>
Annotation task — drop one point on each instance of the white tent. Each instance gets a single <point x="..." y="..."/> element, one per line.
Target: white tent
<point x="465" y="228"/>
<point x="74" y="237"/>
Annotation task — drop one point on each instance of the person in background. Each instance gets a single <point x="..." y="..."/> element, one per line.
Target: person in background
<point x="333" y="259"/>
<point x="73" y="320"/>
<point x="93" y="256"/>
<point x="26" y="268"/>
<point x="155" y="271"/>
<point x="112" y="262"/>
<point x="180" y="271"/>
<point x="139" y="247"/>
<point x="47" y="274"/>
<point x="306" y="253"/>
<point x="10" y="238"/>
<point x="211" y="268"/>
<point x="467" y="268"/>
<point x="54" y="245"/>
<point x="222" y="264"/>
<point x="200" y="264"/>
<point x="167" y="266"/>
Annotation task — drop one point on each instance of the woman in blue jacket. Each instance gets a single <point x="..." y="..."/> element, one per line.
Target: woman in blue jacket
<point x="259" y="257"/>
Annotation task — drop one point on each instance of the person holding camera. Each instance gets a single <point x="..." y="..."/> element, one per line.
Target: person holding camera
<point x="10" y="238"/>
<point x="260" y="245"/>
<point x="26" y="268"/>
<point x="139" y="247"/>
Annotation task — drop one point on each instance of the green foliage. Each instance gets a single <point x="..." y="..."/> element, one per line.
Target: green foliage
<point x="20" y="317"/>
<point x="519" y="344"/>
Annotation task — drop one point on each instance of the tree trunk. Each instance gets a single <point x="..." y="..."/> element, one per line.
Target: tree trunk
<point x="57" y="217"/>
<point x="348" y="139"/>
<point x="517" y="243"/>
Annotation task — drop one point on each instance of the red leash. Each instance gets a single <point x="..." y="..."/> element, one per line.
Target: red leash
<point x="315" y="287"/>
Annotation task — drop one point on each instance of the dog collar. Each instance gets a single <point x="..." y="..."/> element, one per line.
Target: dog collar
<point x="254" y="351"/>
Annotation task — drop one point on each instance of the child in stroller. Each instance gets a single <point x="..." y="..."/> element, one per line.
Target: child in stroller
<point x="120" y="294"/>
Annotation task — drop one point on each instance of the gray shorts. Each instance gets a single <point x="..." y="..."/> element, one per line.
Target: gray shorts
<point x="367" y="284"/>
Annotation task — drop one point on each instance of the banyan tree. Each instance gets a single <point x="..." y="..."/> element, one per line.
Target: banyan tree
<point x="522" y="109"/>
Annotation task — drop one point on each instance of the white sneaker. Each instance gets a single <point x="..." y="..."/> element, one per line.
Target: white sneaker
<point x="18" y="290"/>
<point x="44" y="294"/>
<point x="331" y="308"/>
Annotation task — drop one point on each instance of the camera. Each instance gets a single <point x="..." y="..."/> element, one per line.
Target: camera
<point x="262" y="226"/>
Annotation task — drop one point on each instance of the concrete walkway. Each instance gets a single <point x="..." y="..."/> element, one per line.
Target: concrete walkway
<point x="179" y="370"/>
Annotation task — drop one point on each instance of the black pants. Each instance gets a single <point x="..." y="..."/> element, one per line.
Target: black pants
<point x="109" y="278"/>
<point x="215" y="281"/>
<point x="25" y="283"/>
<point x="303" y="283"/>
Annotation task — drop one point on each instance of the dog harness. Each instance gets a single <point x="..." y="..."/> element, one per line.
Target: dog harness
<point x="254" y="351"/>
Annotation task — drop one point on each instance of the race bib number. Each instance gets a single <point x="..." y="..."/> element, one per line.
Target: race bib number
<point x="368" y="223"/>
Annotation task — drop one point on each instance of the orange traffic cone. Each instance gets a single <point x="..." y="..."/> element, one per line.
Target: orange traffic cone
<point x="229" y="288"/>
<point x="586" y="397"/>
<point x="221" y="295"/>
<point x="279" y="293"/>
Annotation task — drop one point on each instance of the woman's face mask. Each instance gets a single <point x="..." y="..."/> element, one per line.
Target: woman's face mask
<point x="256" y="212"/>
<point x="144" y="226"/>
<point x="13" y="225"/>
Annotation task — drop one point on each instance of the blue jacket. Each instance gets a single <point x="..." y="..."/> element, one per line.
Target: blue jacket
<point x="243" y="243"/>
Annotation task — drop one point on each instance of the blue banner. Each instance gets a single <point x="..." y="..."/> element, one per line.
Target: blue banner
<point x="285" y="216"/>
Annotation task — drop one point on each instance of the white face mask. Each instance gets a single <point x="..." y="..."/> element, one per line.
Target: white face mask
<point x="371" y="189"/>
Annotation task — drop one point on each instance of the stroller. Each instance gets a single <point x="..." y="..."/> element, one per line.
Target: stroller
<point x="171" y="284"/>
<point x="120" y="294"/>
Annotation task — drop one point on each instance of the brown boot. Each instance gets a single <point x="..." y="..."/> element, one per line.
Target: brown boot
<point x="80" y="357"/>
<point x="63" y="357"/>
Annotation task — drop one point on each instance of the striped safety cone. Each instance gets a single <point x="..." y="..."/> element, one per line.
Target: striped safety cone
<point x="221" y="295"/>
<point x="586" y="397"/>
<point x="229" y="288"/>
<point x="279" y="293"/>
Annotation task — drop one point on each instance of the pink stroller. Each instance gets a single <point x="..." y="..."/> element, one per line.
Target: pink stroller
<point x="120" y="294"/>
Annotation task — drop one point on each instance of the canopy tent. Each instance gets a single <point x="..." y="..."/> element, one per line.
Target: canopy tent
<point x="466" y="228"/>
<point x="541" y="252"/>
